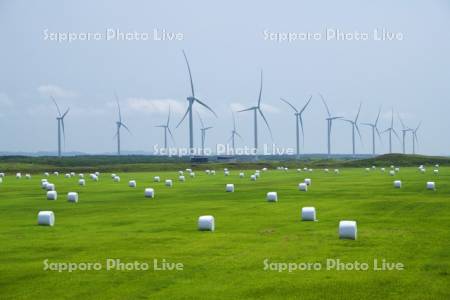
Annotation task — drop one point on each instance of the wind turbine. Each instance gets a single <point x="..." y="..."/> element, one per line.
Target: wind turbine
<point x="61" y="128"/>
<point x="234" y="133"/>
<point x="374" y="128"/>
<point x="166" y="129"/>
<point x="404" y="131"/>
<point x="257" y="109"/>
<point x="298" y="119"/>
<point x="354" y="124"/>
<point x="119" y="124"/>
<point x="414" y="137"/>
<point x="191" y="99"/>
<point x="329" y="125"/>
<point x="390" y="130"/>
<point x="203" y="130"/>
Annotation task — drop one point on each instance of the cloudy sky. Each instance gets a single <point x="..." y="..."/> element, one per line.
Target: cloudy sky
<point x="405" y="66"/>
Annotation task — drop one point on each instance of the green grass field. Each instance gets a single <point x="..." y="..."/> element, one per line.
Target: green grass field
<point x="408" y="225"/>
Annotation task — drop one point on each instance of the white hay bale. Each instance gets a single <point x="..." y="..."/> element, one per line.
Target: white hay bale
<point x="225" y="169"/>
<point x="229" y="188"/>
<point x="94" y="177"/>
<point x="253" y="177"/>
<point x="72" y="174"/>
<point x="1" y="179"/>
<point x="336" y="171"/>
<point x="347" y="230"/>
<point x="391" y="172"/>
<point x="308" y="214"/>
<point x="113" y="175"/>
<point x="181" y="178"/>
<point x="392" y="166"/>
<point x="257" y="171"/>
<point x="181" y="173"/>
<point x="397" y="170"/>
<point x="436" y="165"/>
<point x="169" y="182"/>
<point x="52" y="195"/>
<point x="116" y="178"/>
<point x="299" y="170"/>
<point x="132" y="183"/>
<point x="226" y="173"/>
<point x="241" y="175"/>
<point x="213" y="172"/>
<point x="189" y="170"/>
<point x="192" y="174"/>
<point x="156" y="179"/>
<point x="286" y="169"/>
<point x="46" y="174"/>
<point x="373" y="167"/>
<point x="46" y="218"/>
<point x="397" y="184"/>
<point x="272" y="196"/>
<point x="149" y="193"/>
<point x="207" y="172"/>
<point x="44" y="184"/>
<point x="422" y="170"/>
<point x="206" y="223"/>
<point x="72" y="197"/>
<point x="2" y="175"/>
<point x="56" y="173"/>
<point x="367" y="169"/>
<point x="326" y="170"/>
<point x="431" y="185"/>
<point x="27" y="176"/>
<point x="264" y="169"/>
<point x="81" y="182"/>
<point x="97" y="174"/>
<point x="81" y="175"/>
<point x="257" y="175"/>
<point x="310" y="170"/>
<point x="305" y="169"/>
<point x="67" y="175"/>
<point x="18" y="175"/>
<point x="383" y="169"/>
<point x="50" y="187"/>
<point x="303" y="187"/>
<point x="307" y="181"/>
<point x="436" y="171"/>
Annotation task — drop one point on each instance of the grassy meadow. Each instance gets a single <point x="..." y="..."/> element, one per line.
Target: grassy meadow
<point x="113" y="221"/>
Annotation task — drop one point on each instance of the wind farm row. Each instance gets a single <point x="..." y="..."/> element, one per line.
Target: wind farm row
<point x="298" y="112"/>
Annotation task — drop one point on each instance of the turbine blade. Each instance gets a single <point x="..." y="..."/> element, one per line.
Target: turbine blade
<point x="118" y="106"/>
<point x="206" y="128"/>
<point x="287" y="102"/>
<point x="306" y="105"/>
<point x="65" y="113"/>
<point x="209" y="108"/>
<point x="56" y="104"/>
<point x="247" y="109"/>
<point x="234" y="121"/>
<point x="396" y="134"/>
<point x="168" y="117"/>
<point x="418" y="126"/>
<point x="401" y="121"/>
<point x="378" y="117"/>
<point x="359" y="133"/>
<point x="160" y="126"/>
<point x="190" y="75"/>
<point x="267" y="123"/>
<point x="125" y="126"/>
<point x="184" y="116"/>
<point x="236" y="133"/>
<point x="260" y="89"/>
<point x="301" y="125"/>
<point x="171" y="135"/>
<point x="201" y="121"/>
<point x="326" y="106"/>
<point x="63" y="131"/>
<point x="359" y="110"/>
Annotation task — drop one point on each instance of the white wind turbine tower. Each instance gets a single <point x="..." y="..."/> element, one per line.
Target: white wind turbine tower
<point x="234" y="133"/>
<point x="191" y="99"/>
<point x="298" y="119"/>
<point x="390" y="130"/>
<point x="257" y="109"/>
<point x="354" y="124"/>
<point x="203" y="130"/>
<point x="119" y="124"/>
<point x="167" y="130"/>
<point x="330" y="120"/>
<point x="374" y="128"/>
<point x="414" y="137"/>
<point x="61" y="128"/>
<point x="404" y="131"/>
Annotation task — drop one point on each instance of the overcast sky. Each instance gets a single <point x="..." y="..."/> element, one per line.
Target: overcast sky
<point x="227" y="47"/>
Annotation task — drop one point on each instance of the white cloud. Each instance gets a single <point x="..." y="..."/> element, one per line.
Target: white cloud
<point x="156" y="106"/>
<point x="269" y="108"/>
<point x="56" y="91"/>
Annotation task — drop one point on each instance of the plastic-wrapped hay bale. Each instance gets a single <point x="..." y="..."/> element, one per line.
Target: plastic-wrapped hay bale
<point x="46" y="174"/>
<point x="18" y="175"/>
<point x="44" y="180"/>
<point x="181" y="173"/>
<point x="307" y="181"/>
<point x="367" y="169"/>
<point x="326" y="170"/>
<point x="257" y="175"/>
<point x="383" y="169"/>
<point x="44" y="184"/>
<point x="67" y="175"/>
<point x="308" y="214"/>
<point x="156" y="179"/>
<point x="208" y="172"/>
<point x="272" y="196"/>
<point x="46" y="218"/>
<point x="226" y="173"/>
<point x="310" y="170"/>
<point x="303" y="187"/>
<point x="397" y="170"/>
<point x="56" y="173"/>
<point x="50" y="186"/>
<point x="241" y="175"/>
<point x="436" y="171"/>
<point x="2" y="174"/>
<point x="225" y="169"/>
<point x="113" y="175"/>
<point x="431" y="185"/>
<point x="95" y="177"/>
<point x="169" y="182"/>
<point x="347" y="230"/>
<point x="116" y="178"/>
<point x="149" y="193"/>
<point x="286" y="169"/>
<point x="81" y="182"/>
<point x="189" y="170"/>
<point x="229" y="188"/>
<point x="253" y="177"/>
<point x="397" y="184"/>
<point x="1" y="179"/>
<point x="392" y="166"/>
<point x="132" y="183"/>
<point x="436" y="165"/>
<point x="391" y="173"/>
<point x="52" y="195"/>
<point x="97" y="174"/>
<point x="213" y="172"/>
<point x="264" y="169"/>
<point x="373" y="167"/>
<point x="72" y="197"/>
<point x="81" y="175"/>
<point x="336" y="171"/>
<point x="423" y="170"/>
<point x="299" y="170"/>
<point x="206" y="223"/>
<point x="181" y="178"/>
<point x="27" y="176"/>
<point x="192" y="174"/>
<point x="72" y="174"/>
